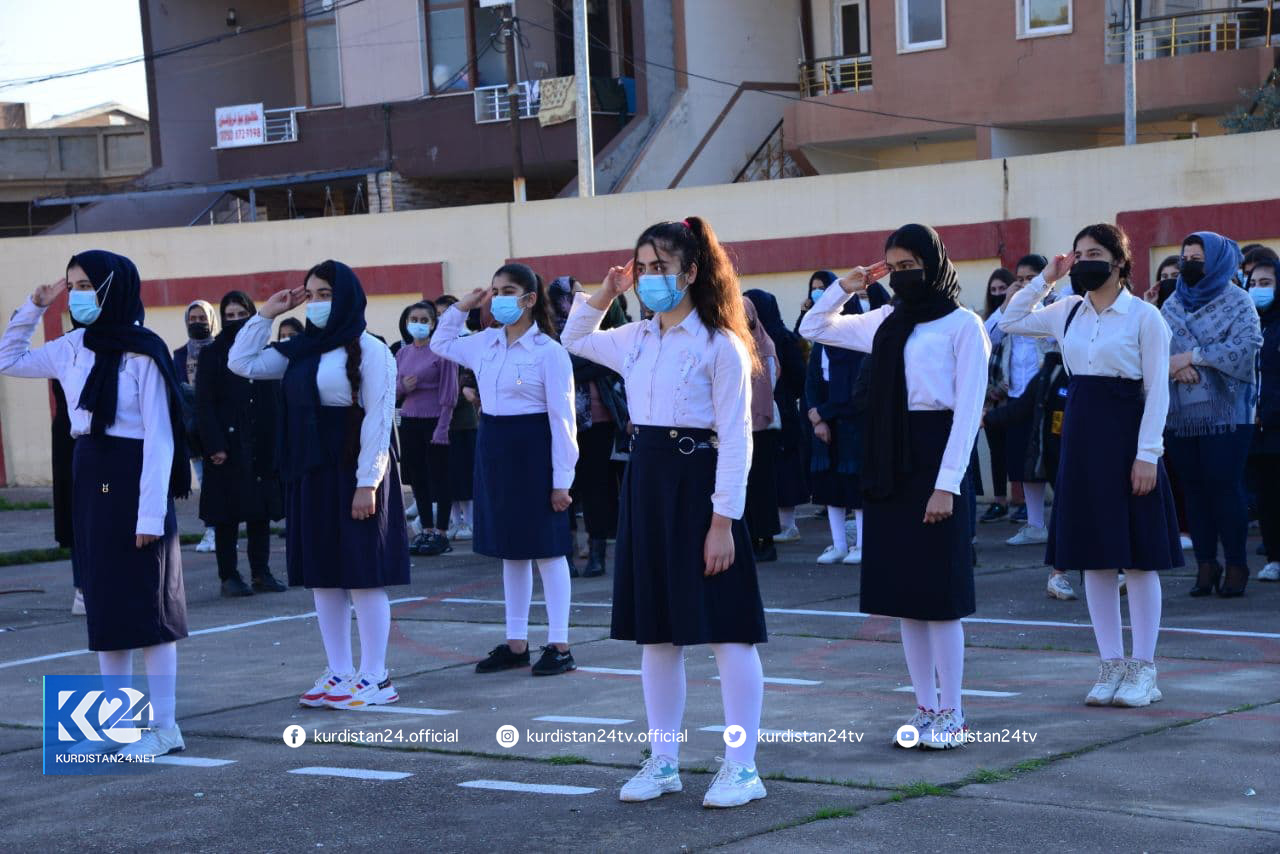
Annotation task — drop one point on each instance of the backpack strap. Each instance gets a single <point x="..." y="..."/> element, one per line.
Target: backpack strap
<point x="1070" y="317"/>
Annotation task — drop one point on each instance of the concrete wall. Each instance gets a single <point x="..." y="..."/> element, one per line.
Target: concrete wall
<point x="380" y="47"/>
<point x="1057" y="192"/>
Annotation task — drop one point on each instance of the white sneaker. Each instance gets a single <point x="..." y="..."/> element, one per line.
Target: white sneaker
<point x="734" y="785"/>
<point x="922" y="720"/>
<point x="156" y="742"/>
<point x="789" y="535"/>
<point x="1059" y="587"/>
<point x="1270" y="572"/>
<point x="77" y="604"/>
<point x="831" y="555"/>
<point x="329" y="684"/>
<point x="206" y="544"/>
<point x="656" y="777"/>
<point x="947" y="731"/>
<point x="1029" y="535"/>
<point x="411" y="512"/>
<point x="1139" y="686"/>
<point x="1110" y="675"/>
<point x="369" y="690"/>
<point x="1187" y="545"/>
<point x="854" y="557"/>
<point x="463" y="533"/>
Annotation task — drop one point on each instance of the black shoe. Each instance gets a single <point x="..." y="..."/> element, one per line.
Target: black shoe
<point x="234" y="587"/>
<point x="994" y="513"/>
<point x="1233" y="584"/>
<point x="1208" y="579"/>
<point x="596" y="563"/>
<point x="436" y="544"/>
<point x="1019" y="515"/>
<point x="268" y="583"/>
<point x="419" y="543"/>
<point x="553" y="662"/>
<point x="502" y="658"/>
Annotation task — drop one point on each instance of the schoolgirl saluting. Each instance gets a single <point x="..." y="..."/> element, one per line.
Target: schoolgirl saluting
<point x="684" y="569"/>
<point x="526" y="451"/>
<point x="927" y="385"/>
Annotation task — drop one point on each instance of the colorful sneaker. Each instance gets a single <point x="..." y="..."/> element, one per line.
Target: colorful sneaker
<point x="948" y="730"/>
<point x="1139" y="686"/>
<point x="854" y="557"/>
<point x="1270" y="572"/>
<point x="156" y="742"/>
<point x="329" y="684"/>
<point x="554" y="662"/>
<point x="922" y="720"/>
<point x="1029" y="535"/>
<point x="994" y="513"/>
<point x="1110" y="675"/>
<point x="1059" y="587"/>
<point x="502" y="658"/>
<point x="831" y="555"/>
<point x="734" y="785"/>
<point x="369" y="690"/>
<point x="659" y="775"/>
<point x="788" y="535"/>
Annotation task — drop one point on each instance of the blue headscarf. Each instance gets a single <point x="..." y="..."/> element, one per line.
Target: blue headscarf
<point x="1221" y="262"/>
<point x="118" y="330"/>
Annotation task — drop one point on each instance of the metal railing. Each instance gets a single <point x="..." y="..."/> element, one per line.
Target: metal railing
<point x="494" y="105"/>
<point x="1203" y="31"/>
<point x="282" y="124"/>
<point x="832" y="74"/>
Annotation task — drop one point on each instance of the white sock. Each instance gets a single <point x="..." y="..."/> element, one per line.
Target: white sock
<point x="1034" y="493"/>
<point x="1102" y="594"/>
<point x="857" y="521"/>
<point x="373" y="622"/>
<point x="786" y="517"/>
<point x="556" y="589"/>
<point x="918" y="649"/>
<point x="946" y="640"/>
<point x="333" y="613"/>
<point x="517" y="593"/>
<point x="835" y="521"/>
<point x="162" y="682"/>
<point x="116" y="667"/>
<point x="662" y="676"/>
<point x="1144" y="612"/>
<point x="742" y="691"/>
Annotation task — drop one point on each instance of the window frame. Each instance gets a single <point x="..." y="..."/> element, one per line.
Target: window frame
<point x="1024" y="30"/>
<point x="903" y="29"/>
<point x="837" y="25"/>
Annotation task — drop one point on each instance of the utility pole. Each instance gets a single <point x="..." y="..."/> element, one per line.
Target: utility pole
<point x="582" y="73"/>
<point x="1130" y="74"/>
<point x="513" y="104"/>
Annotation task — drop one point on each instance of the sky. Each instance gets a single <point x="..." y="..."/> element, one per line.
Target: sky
<point x="45" y="36"/>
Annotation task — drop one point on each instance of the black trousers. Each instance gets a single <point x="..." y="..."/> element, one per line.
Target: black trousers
<point x="999" y="473"/>
<point x="1266" y="468"/>
<point x="224" y="540"/>
<point x="429" y="470"/>
<point x="596" y="482"/>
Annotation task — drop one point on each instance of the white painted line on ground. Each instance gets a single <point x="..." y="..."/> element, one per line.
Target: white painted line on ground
<point x="404" y="710"/>
<point x="534" y="788"/>
<point x="574" y="719"/>
<point x="193" y="761"/>
<point x="783" y="680"/>
<point x="353" y="773"/>
<point x="460" y="601"/>
<point x="616" y="671"/>
<point x="967" y="692"/>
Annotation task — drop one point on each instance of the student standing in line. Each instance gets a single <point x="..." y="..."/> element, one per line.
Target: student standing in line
<point x="927" y="386"/>
<point x="684" y="571"/>
<point x="1265" y="455"/>
<point x="346" y="538"/>
<point x="237" y="419"/>
<point x="761" y="510"/>
<point x="526" y="452"/>
<point x="1213" y="384"/>
<point x="998" y="285"/>
<point x="1113" y="508"/>
<point x="202" y="327"/>
<point x="130" y="462"/>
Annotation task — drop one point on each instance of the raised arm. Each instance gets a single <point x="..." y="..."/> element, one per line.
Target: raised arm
<point x="17" y="359"/>
<point x="378" y="398"/>
<point x="451" y="341"/>
<point x="1026" y="314"/>
<point x="972" y="350"/>
<point x="825" y="324"/>
<point x="157" y="447"/>
<point x="583" y="337"/>
<point x="250" y="357"/>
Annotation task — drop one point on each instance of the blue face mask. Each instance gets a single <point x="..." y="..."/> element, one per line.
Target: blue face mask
<point x="1263" y="297"/>
<point x="659" y="292"/>
<point x="506" y="309"/>
<point x="816" y="294"/>
<point x="84" y="306"/>
<point x="419" y="330"/>
<point x="318" y="313"/>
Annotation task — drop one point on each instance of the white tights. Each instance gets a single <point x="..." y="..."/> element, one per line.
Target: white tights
<point x="1102" y="593"/>
<point x="517" y="586"/>
<point x="935" y="647"/>
<point x="373" y="622"/>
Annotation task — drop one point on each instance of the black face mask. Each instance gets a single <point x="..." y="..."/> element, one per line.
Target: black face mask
<point x="198" y="331"/>
<point x="908" y="284"/>
<point x="1089" y="275"/>
<point x="234" y="326"/>
<point x="1192" y="272"/>
<point x="1167" y="287"/>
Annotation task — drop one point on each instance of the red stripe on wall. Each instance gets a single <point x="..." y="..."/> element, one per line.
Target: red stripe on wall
<point x="1242" y="221"/>
<point x="425" y="279"/>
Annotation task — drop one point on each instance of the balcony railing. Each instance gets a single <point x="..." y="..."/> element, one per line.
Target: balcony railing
<point x="494" y="105"/>
<point x="282" y="124"/>
<point x="833" y="74"/>
<point x="1204" y="31"/>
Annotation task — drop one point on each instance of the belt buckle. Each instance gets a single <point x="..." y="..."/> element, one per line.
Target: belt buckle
<point x="693" y="445"/>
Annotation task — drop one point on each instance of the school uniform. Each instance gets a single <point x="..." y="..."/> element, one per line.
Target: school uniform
<point x="526" y="445"/>
<point x="134" y="597"/>
<point x="330" y="446"/>
<point x="909" y="569"/>
<point x="1117" y="402"/>
<point x="689" y="395"/>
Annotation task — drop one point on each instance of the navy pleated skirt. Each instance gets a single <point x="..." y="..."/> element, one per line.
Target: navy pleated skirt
<point x="761" y="514"/>
<point x="1097" y="521"/>
<point x="133" y="597"/>
<point x="324" y="546"/>
<point x="462" y="464"/>
<point x="661" y="593"/>
<point x="910" y="569"/>
<point x="513" y="515"/>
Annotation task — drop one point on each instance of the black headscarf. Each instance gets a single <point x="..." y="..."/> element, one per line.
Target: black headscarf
<point x="227" y="335"/>
<point x="119" y="330"/>
<point x="301" y="448"/>
<point x="887" y="450"/>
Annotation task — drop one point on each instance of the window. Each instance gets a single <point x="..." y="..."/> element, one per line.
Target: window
<point x="851" y="28"/>
<point x="922" y="24"/>
<point x="1043" y="17"/>
<point x="463" y="49"/>
<point x="321" y="32"/>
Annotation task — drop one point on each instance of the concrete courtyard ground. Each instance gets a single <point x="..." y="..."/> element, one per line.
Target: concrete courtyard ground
<point x="1199" y="771"/>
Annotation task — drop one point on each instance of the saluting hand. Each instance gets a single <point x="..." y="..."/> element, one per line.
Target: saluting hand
<point x="1060" y="266"/>
<point x="860" y="278"/>
<point x="282" y="301"/>
<point x="475" y="299"/>
<point x="46" y="294"/>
